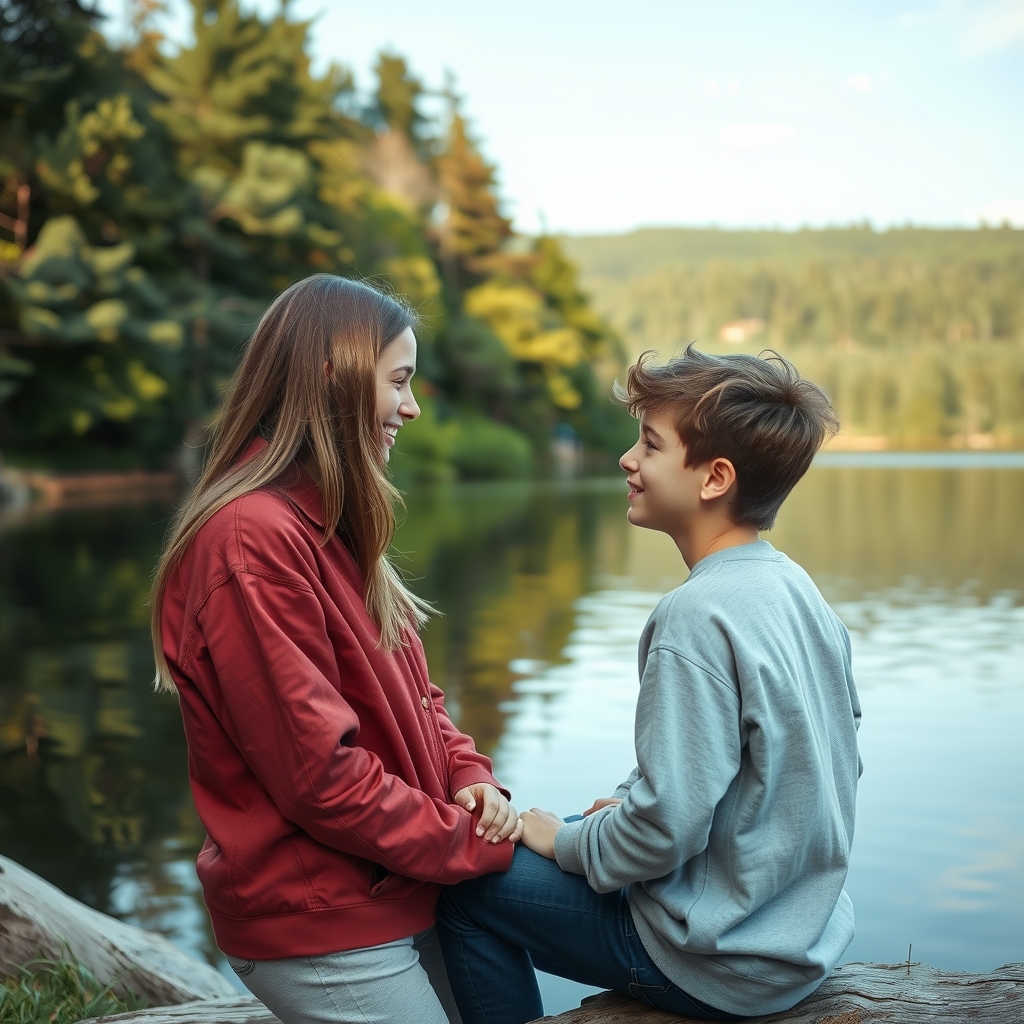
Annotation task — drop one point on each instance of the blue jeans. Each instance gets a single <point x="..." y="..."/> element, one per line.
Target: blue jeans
<point x="495" y="929"/>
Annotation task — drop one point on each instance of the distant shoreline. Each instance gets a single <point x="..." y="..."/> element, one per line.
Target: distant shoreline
<point x="921" y="460"/>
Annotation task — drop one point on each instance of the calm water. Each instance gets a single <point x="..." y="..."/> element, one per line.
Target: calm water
<point x="545" y="589"/>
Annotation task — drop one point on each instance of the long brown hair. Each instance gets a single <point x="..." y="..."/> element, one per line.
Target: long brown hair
<point x="281" y="392"/>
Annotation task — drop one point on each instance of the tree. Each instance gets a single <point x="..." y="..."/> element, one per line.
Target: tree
<point x="87" y="180"/>
<point x="471" y="229"/>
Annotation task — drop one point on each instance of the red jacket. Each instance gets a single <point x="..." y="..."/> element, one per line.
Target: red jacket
<point x="322" y="767"/>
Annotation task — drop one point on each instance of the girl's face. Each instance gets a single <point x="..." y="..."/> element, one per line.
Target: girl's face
<point x="395" y="402"/>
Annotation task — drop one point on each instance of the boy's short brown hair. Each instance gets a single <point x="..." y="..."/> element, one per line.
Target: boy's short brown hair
<point x="755" y="411"/>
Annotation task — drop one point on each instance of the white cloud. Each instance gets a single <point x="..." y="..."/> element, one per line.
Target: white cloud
<point x="995" y="26"/>
<point x="861" y="82"/>
<point x="754" y="134"/>
<point x="712" y="88"/>
<point x="999" y="212"/>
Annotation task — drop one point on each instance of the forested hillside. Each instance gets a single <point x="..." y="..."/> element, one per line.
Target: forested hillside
<point x="918" y="333"/>
<point x="153" y="201"/>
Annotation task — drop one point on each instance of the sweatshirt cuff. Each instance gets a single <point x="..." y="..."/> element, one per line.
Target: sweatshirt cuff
<point x="471" y="776"/>
<point x="567" y="847"/>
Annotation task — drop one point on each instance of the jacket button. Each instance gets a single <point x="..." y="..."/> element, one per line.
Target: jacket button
<point x="425" y="701"/>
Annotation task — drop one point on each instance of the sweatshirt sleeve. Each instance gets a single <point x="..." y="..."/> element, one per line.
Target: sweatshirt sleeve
<point x="466" y="765"/>
<point x="624" y="787"/>
<point x="688" y="752"/>
<point x="275" y="665"/>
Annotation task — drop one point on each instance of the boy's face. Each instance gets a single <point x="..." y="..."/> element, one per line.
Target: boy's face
<point x="663" y="493"/>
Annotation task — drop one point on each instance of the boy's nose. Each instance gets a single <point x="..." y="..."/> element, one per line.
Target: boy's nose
<point x="628" y="461"/>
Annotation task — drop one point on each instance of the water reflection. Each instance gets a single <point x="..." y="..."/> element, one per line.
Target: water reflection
<point x="544" y="590"/>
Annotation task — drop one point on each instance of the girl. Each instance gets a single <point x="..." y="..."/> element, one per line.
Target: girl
<point x="337" y="795"/>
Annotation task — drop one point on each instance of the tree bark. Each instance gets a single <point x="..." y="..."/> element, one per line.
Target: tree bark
<point x="37" y="919"/>
<point x="236" y="1009"/>
<point x="858" y="994"/>
<point x="854" y="994"/>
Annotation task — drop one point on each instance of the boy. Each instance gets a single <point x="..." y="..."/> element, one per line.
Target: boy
<point x="711" y="883"/>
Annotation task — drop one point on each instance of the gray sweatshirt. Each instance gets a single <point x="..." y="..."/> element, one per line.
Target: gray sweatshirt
<point x="734" y="830"/>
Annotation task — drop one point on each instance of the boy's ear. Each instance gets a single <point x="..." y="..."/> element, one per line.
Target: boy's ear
<point x="719" y="479"/>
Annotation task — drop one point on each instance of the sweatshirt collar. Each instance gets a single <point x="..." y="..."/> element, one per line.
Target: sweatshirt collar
<point x="758" y="550"/>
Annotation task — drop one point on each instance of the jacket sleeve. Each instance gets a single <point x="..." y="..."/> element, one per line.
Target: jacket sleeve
<point x="277" y="672"/>
<point x="466" y="766"/>
<point x="688" y="752"/>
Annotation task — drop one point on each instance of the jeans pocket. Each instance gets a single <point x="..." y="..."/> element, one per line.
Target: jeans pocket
<point x="239" y="966"/>
<point x="645" y="988"/>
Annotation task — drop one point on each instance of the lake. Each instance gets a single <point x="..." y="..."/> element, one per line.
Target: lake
<point x="545" y="588"/>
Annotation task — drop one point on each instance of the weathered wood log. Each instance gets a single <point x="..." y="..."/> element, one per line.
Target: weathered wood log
<point x="858" y="994"/>
<point x="854" y="994"/>
<point x="238" y="1009"/>
<point x="37" y="919"/>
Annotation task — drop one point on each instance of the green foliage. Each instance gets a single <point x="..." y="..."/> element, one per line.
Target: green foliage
<point x="156" y="201"/>
<point x="464" y="445"/>
<point x="103" y="343"/>
<point x="58" y="992"/>
<point x="485" y="450"/>
<point x="835" y="287"/>
<point x="918" y="334"/>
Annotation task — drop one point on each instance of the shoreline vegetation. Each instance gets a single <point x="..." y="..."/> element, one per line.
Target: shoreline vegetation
<point x="916" y="333"/>
<point x="153" y="201"/>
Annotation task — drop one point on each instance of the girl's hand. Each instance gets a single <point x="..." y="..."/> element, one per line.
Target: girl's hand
<point x="606" y="801"/>
<point x="539" y="831"/>
<point x="498" y="818"/>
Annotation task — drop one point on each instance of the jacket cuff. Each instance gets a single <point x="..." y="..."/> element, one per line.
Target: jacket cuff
<point x="470" y="777"/>
<point x="567" y="847"/>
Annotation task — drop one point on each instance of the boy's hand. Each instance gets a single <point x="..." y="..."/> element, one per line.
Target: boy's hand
<point x="498" y="818"/>
<point x="539" y="831"/>
<point x="607" y="801"/>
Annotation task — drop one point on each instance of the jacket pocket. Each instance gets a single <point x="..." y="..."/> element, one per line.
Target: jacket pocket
<point x="380" y="880"/>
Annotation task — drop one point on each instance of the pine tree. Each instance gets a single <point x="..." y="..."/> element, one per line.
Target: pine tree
<point x="87" y="191"/>
<point x="472" y="229"/>
<point x="257" y="137"/>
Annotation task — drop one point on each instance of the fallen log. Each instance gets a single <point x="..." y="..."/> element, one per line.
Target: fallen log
<point x="37" y="919"/>
<point x="235" y="1010"/>
<point x="857" y="994"/>
<point x="854" y="994"/>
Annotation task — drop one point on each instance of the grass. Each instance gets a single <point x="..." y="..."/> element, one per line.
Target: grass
<point x="59" y="992"/>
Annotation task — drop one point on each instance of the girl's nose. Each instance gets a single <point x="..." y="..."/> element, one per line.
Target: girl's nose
<point x="409" y="409"/>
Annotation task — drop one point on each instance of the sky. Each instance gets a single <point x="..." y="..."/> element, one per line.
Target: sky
<point x="605" y="115"/>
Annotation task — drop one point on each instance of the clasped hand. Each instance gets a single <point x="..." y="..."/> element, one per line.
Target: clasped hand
<point x="539" y="827"/>
<point x="498" y="819"/>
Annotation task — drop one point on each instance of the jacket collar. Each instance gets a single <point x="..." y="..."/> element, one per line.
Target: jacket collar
<point x="295" y="484"/>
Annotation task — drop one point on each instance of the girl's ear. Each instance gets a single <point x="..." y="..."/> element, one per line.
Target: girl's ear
<point x="719" y="480"/>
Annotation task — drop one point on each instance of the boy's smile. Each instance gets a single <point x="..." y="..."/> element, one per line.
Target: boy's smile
<point x="663" y="492"/>
<point x="689" y="503"/>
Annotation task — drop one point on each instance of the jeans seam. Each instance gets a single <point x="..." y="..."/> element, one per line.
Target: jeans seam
<point x="330" y="994"/>
<point x="469" y="976"/>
